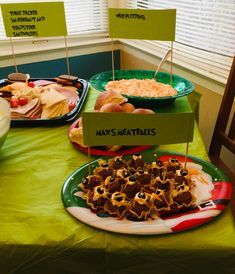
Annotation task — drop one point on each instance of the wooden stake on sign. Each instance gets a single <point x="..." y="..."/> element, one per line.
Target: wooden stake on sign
<point x="113" y="59"/>
<point x="89" y="163"/>
<point x="13" y="55"/>
<point x="171" y="69"/>
<point x="186" y="155"/>
<point x="27" y="80"/>
<point x="67" y="55"/>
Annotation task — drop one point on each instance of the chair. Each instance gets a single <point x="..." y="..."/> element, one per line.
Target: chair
<point x="224" y="131"/>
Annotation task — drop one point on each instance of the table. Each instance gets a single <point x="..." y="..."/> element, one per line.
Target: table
<point x="37" y="235"/>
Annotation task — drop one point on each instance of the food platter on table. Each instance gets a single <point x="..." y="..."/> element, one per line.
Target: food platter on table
<point x="108" y="101"/>
<point x="104" y="151"/>
<point x="44" y="101"/>
<point x="181" y="85"/>
<point x="211" y="190"/>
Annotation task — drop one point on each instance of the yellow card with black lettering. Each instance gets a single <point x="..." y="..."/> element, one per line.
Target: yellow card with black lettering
<point x="34" y="19"/>
<point x="142" y="24"/>
<point x="101" y="128"/>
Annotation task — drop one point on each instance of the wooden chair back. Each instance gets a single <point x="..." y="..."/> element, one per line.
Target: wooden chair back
<point x="224" y="131"/>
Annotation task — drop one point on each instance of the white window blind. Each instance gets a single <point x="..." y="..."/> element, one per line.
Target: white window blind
<point x="82" y="17"/>
<point x="205" y="34"/>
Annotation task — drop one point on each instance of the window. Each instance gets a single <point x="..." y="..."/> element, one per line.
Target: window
<point x="82" y="17"/>
<point x="205" y="31"/>
<point x="205" y="34"/>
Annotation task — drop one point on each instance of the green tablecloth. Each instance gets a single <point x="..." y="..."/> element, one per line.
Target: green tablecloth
<point x="37" y="235"/>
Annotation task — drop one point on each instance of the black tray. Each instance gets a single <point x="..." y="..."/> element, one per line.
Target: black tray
<point x="69" y="117"/>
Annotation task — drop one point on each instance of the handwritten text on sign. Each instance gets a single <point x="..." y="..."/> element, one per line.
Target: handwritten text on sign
<point x="34" y="19"/>
<point x="142" y="24"/>
<point x="137" y="129"/>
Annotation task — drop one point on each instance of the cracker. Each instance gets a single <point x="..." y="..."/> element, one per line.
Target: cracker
<point x="18" y="77"/>
<point x="68" y="77"/>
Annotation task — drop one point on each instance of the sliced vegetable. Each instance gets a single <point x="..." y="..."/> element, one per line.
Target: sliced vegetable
<point x="22" y="101"/>
<point x="31" y="84"/>
<point x="71" y="106"/>
<point x="14" y="102"/>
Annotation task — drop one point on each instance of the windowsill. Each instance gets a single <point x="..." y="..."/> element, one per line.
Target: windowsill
<point x="35" y="50"/>
<point x="30" y="50"/>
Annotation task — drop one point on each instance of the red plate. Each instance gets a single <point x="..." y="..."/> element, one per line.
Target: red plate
<point x="101" y="151"/>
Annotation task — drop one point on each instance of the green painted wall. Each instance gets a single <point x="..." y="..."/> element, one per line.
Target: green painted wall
<point x="83" y="66"/>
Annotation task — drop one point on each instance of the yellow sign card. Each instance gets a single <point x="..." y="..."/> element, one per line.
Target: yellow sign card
<point x="142" y="24"/>
<point x="34" y="19"/>
<point x="137" y="129"/>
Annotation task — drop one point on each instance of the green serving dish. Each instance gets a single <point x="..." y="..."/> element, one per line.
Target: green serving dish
<point x="182" y="85"/>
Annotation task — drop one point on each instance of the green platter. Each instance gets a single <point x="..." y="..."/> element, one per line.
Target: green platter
<point x="182" y="85"/>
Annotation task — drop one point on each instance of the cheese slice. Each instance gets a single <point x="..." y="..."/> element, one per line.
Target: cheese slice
<point x="50" y="97"/>
<point x="65" y="108"/>
<point x="50" y="112"/>
<point x="59" y="109"/>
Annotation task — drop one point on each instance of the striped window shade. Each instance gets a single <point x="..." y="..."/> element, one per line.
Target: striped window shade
<point x="205" y="34"/>
<point x="82" y="17"/>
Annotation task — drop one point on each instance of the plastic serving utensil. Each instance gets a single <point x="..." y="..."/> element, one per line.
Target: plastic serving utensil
<point x="164" y="58"/>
